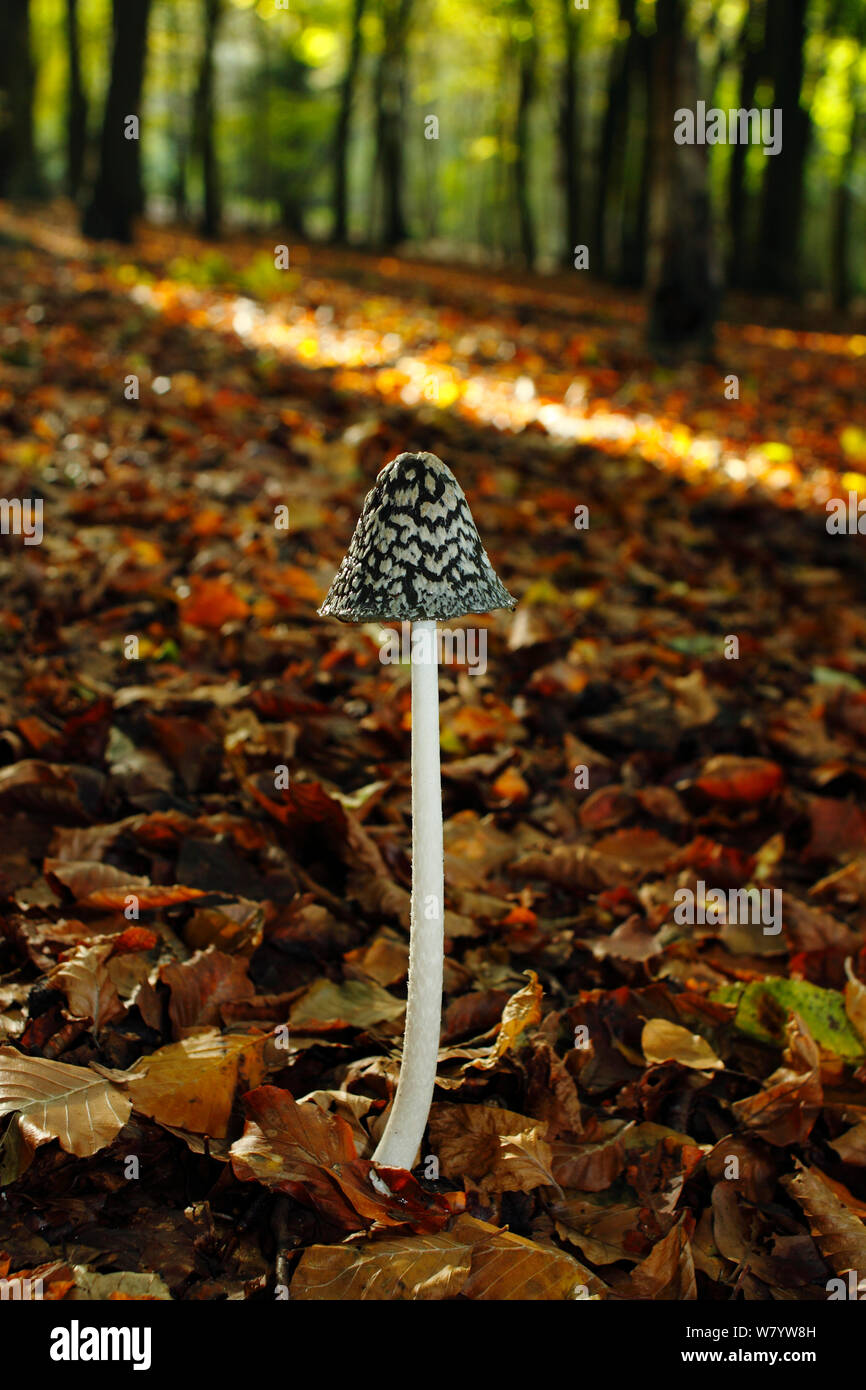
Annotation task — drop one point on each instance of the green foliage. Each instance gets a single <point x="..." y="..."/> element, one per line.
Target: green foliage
<point x="763" y="1005"/>
<point x="210" y="269"/>
<point x="278" y="82"/>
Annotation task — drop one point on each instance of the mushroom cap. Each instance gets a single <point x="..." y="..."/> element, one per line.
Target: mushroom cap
<point x="416" y="553"/>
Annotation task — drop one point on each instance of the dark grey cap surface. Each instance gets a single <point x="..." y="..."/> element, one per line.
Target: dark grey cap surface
<point x="415" y="553"/>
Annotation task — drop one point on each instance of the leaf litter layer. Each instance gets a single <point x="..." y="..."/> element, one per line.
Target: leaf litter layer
<point x="628" y="1105"/>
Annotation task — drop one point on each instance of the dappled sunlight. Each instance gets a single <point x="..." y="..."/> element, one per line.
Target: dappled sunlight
<point x="506" y="373"/>
<point x="370" y="357"/>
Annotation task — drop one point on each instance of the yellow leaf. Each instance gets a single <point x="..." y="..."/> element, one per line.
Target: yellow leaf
<point x="662" y="1041"/>
<point x="192" y="1084"/>
<point x="522" y="1011"/>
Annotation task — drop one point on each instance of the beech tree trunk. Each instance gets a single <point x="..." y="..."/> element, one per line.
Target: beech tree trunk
<point x="569" y="143"/>
<point x="180" y="118"/>
<point x="390" y="110"/>
<point x="340" y="230"/>
<point x="782" y="193"/>
<point x="638" y="169"/>
<point x="76" y="106"/>
<point x="204" y="139"/>
<point x="527" y="60"/>
<point x="681" y="273"/>
<point x="117" y="195"/>
<point x="614" y="128"/>
<point x="19" y="175"/>
<point x="741" y="270"/>
<point x="843" y="206"/>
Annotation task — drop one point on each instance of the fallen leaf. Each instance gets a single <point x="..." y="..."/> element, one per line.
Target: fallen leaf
<point x="211" y="603"/>
<point x="662" y="1041"/>
<point x="200" y="985"/>
<point x="192" y="1084"/>
<point x="507" y="1267"/>
<point x="467" y="1139"/>
<point x="523" y="1011"/>
<point x="786" y="1109"/>
<point x="128" y="1284"/>
<point x="838" y="1233"/>
<point x="327" y="1006"/>
<point x="85" y="980"/>
<point x="739" y="780"/>
<point x="668" y="1272"/>
<point x="427" y="1268"/>
<point x="52" y="1100"/>
<point x="301" y="1150"/>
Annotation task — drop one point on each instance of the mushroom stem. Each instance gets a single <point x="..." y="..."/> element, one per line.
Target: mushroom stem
<point x="404" y="1131"/>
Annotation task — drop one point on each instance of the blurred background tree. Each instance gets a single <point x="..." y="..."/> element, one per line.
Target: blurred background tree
<point x="555" y="131"/>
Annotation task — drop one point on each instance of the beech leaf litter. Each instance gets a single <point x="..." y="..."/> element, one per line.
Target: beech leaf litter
<point x="653" y="1051"/>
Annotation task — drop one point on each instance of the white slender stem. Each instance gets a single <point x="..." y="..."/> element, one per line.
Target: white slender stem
<point x="404" y="1131"/>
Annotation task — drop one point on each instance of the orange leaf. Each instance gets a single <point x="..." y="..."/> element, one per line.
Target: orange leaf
<point x="728" y="778"/>
<point x="211" y="604"/>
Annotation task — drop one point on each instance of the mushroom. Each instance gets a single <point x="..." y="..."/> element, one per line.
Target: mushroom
<point x="416" y="557"/>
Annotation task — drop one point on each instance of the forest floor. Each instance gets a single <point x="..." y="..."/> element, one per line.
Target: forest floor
<point x="629" y="1105"/>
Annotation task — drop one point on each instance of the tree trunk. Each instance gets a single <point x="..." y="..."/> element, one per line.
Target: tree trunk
<point x="390" y="108"/>
<point x="840" y="241"/>
<point x="340" y="232"/>
<point x="569" y="145"/>
<point x="782" y="193"/>
<point x="681" y="277"/>
<point x="638" y="168"/>
<point x="180" y="118"/>
<point x="741" y="269"/>
<point x="117" y="196"/>
<point x="19" y="175"/>
<point x="76" y="106"/>
<point x="611" y="155"/>
<point x="204" y="142"/>
<point x="527" y="59"/>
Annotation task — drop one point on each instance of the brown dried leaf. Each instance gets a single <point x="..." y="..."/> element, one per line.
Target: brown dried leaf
<point x="417" y="1267"/>
<point x="300" y="1150"/>
<point x="200" y="985"/>
<point x="526" y="1161"/>
<point x="590" y="1167"/>
<point x="192" y="1084"/>
<point x="668" y="1272"/>
<point x="838" y="1233"/>
<point x="83" y="877"/>
<point x="127" y="1284"/>
<point x="85" y="980"/>
<point x="327" y="1006"/>
<point x="786" y="1109"/>
<point x="507" y="1267"/>
<point x="53" y="1100"/>
<point x="604" y="1234"/>
<point x="466" y="1138"/>
<point x="851" y="1146"/>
